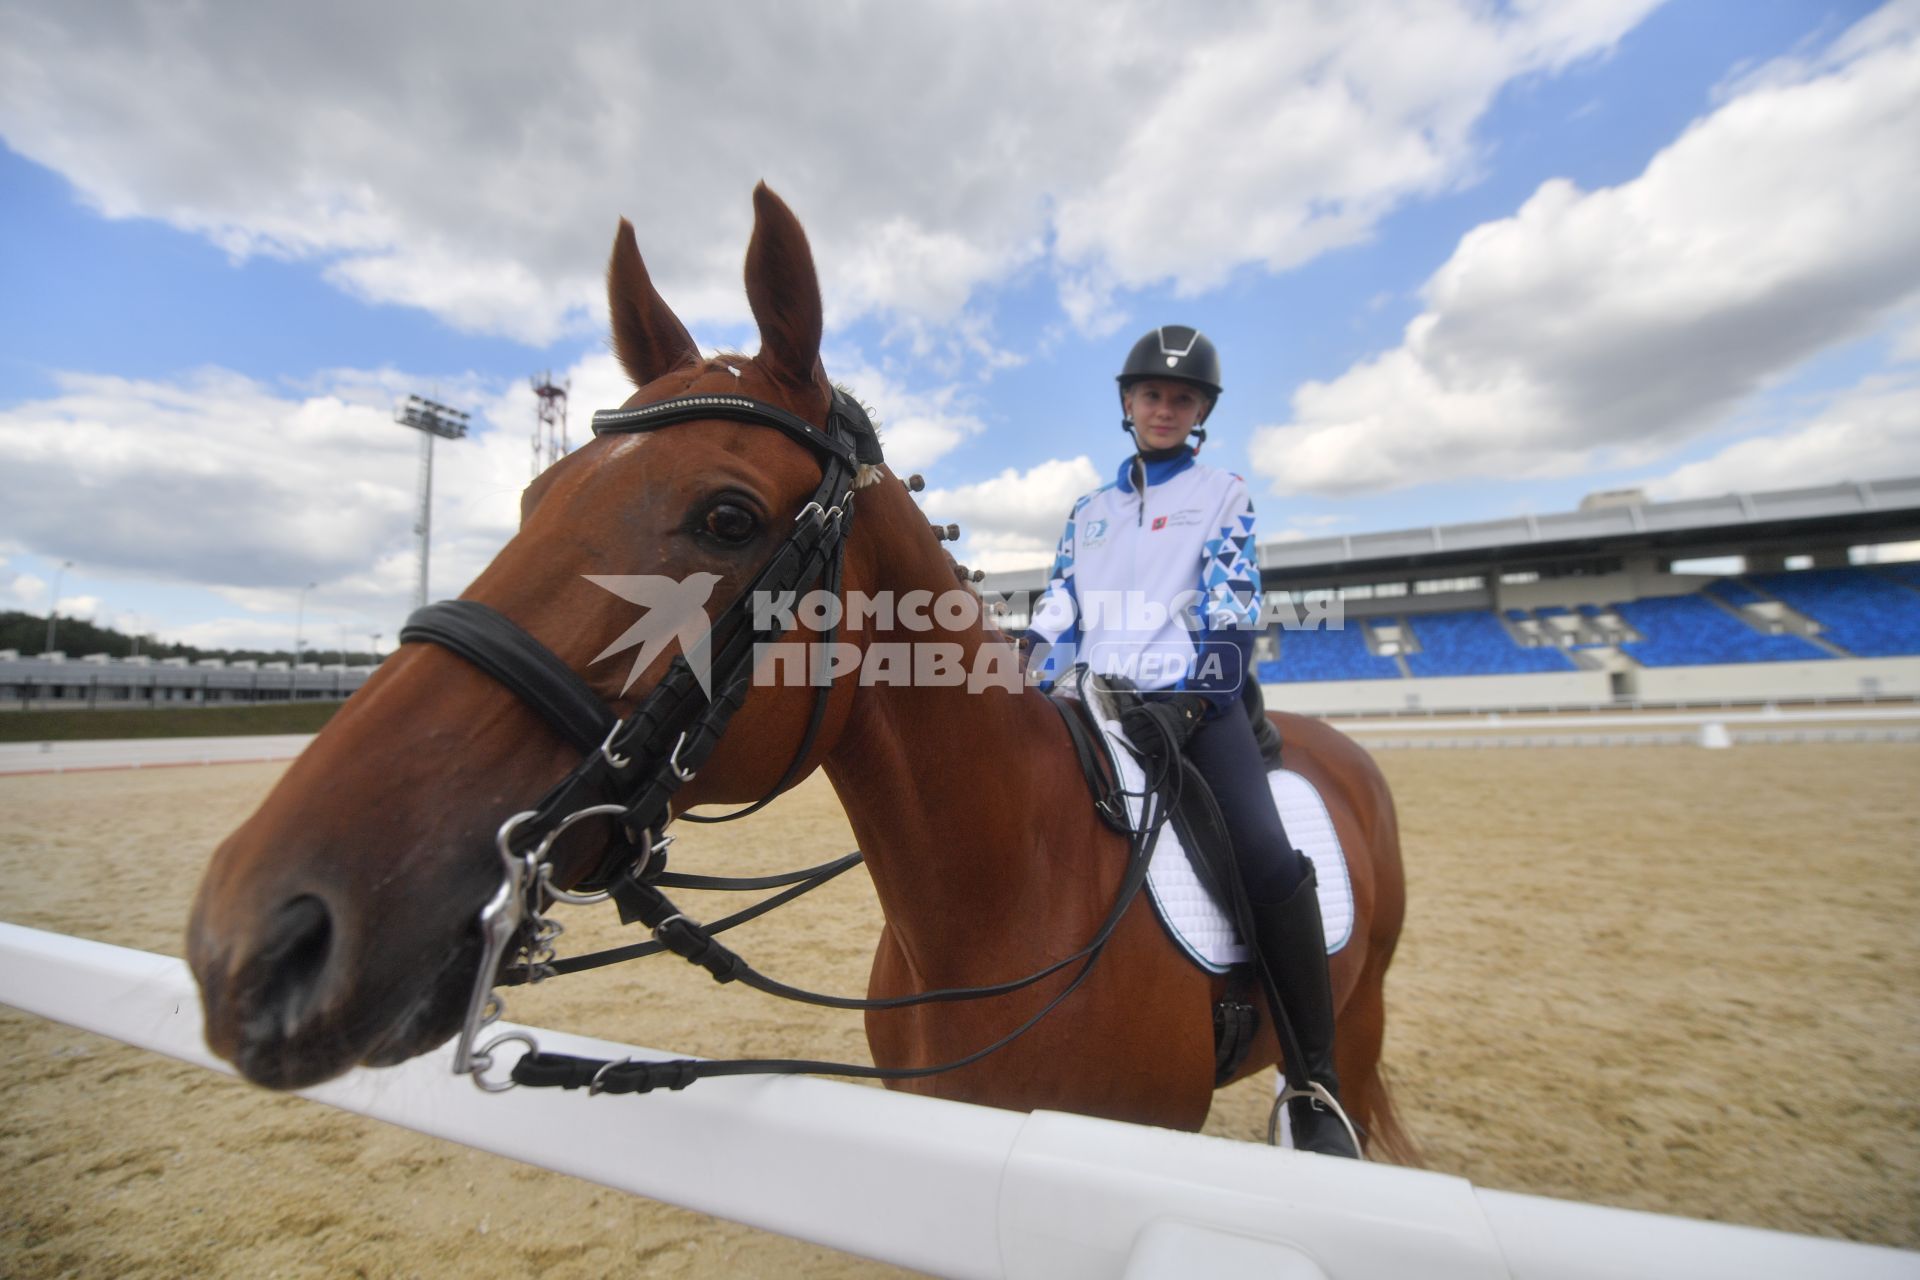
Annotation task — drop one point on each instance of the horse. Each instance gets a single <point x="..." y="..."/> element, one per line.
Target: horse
<point x="337" y="926"/>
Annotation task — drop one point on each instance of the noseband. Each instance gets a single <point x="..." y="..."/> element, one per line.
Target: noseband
<point x="632" y="768"/>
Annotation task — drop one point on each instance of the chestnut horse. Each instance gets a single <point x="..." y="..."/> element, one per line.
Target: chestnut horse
<point x="337" y="925"/>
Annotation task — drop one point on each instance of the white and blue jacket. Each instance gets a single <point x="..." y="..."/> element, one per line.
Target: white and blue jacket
<point x="1157" y="583"/>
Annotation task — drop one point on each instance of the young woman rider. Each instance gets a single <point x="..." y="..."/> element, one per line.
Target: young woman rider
<point x="1136" y="556"/>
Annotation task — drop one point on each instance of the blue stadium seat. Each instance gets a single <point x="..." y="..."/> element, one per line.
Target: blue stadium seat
<point x="1326" y="655"/>
<point x="1734" y="592"/>
<point x="1857" y="609"/>
<point x="1687" y="631"/>
<point x="1907" y="572"/>
<point x="1473" y="643"/>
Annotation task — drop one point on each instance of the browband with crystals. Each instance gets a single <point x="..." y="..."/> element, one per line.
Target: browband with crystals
<point x="845" y="417"/>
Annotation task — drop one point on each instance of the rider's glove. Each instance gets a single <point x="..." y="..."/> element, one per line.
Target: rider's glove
<point x="1172" y="720"/>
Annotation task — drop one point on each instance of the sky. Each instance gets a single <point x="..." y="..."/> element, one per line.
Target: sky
<point x="1462" y="260"/>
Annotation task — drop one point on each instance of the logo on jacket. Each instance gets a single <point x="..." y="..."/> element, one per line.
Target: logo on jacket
<point x="1190" y="516"/>
<point x="1094" y="533"/>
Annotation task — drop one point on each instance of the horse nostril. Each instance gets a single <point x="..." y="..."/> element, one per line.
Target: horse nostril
<point x="291" y="961"/>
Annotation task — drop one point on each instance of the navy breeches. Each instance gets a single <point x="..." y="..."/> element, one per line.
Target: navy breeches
<point x="1224" y="751"/>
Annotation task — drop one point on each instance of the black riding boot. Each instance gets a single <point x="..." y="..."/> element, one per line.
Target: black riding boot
<point x="1294" y="945"/>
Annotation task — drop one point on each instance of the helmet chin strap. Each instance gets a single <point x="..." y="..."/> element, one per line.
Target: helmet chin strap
<point x="1196" y="439"/>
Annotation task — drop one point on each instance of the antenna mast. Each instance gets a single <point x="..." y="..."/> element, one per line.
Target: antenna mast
<point x="550" y="428"/>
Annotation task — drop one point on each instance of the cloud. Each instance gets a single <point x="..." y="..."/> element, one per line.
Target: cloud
<point x="1906" y="342"/>
<point x="25" y="591"/>
<point x="498" y="296"/>
<point x="476" y="168"/>
<point x="1607" y="327"/>
<point x="223" y="482"/>
<point x="1013" y="521"/>
<point x="250" y="490"/>
<point x="82" y="606"/>
<point x="1275" y="139"/>
<point x="918" y="426"/>
<point x="1870" y="431"/>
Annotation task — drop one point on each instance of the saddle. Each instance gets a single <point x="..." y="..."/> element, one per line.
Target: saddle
<point x="1195" y="812"/>
<point x="1202" y="829"/>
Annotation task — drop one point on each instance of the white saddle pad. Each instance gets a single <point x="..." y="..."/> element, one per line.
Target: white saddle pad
<point x="1189" y="913"/>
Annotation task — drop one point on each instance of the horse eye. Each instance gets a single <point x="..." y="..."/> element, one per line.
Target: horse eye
<point x="730" y="523"/>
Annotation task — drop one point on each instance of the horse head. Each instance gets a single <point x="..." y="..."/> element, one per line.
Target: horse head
<point x="337" y="925"/>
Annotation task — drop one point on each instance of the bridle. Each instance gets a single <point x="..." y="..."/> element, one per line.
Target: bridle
<point x="631" y="768"/>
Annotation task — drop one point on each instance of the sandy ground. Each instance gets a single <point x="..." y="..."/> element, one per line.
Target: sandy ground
<point x="1669" y="979"/>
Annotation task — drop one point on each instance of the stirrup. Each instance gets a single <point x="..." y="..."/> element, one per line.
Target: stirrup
<point x="1316" y="1092"/>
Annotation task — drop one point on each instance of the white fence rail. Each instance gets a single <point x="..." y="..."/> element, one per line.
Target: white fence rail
<point x="82" y="755"/>
<point x="1596" y="728"/>
<point x="967" y="1191"/>
<point x="1770" y="726"/>
<point x="1628" y="720"/>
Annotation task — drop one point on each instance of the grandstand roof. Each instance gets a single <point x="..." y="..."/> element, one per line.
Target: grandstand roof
<point x="1790" y="519"/>
<point x="1879" y="510"/>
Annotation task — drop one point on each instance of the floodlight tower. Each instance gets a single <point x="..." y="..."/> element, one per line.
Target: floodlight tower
<point x="430" y="420"/>
<point x="550" y="428"/>
<point x="53" y="607"/>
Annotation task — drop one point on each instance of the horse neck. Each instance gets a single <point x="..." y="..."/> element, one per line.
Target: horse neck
<point x="950" y="791"/>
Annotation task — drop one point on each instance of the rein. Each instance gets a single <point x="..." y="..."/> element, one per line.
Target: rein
<point x="643" y="760"/>
<point x="694" y="942"/>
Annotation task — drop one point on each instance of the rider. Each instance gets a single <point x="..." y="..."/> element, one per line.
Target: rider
<point x="1156" y="578"/>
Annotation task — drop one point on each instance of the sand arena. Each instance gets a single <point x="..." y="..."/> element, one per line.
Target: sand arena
<point x="1663" y="978"/>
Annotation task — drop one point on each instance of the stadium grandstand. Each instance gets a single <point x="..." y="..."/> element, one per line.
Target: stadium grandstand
<point x="1782" y="596"/>
<point x="100" y="682"/>
<point x="1795" y="595"/>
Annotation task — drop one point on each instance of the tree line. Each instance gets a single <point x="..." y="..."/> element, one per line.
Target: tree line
<point x="27" y="633"/>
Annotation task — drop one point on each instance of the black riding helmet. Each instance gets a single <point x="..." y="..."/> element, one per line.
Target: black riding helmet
<point x="1177" y="352"/>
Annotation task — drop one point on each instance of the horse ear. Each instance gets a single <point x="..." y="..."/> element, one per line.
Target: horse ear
<point x="784" y="292"/>
<point x="647" y="336"/>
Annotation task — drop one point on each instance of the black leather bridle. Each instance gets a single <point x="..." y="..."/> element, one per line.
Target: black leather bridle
<point x="640" y="762"/>
<point x="632" y="768"/>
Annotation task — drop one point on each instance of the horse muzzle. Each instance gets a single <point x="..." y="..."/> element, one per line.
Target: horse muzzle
<point x="288" y="1003"/>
